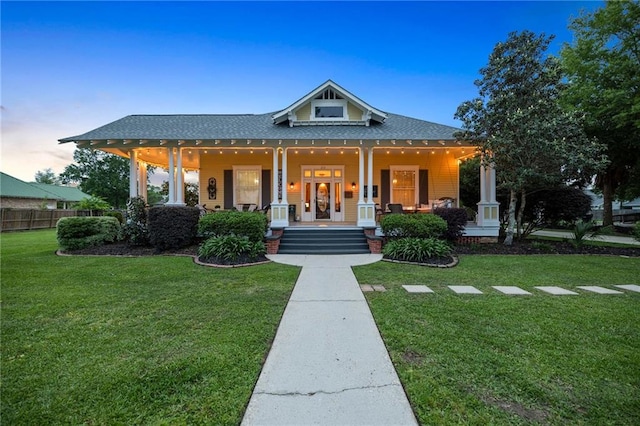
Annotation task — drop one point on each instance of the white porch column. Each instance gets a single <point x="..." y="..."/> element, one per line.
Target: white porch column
<point x="360" y="176"/>
<point x="284" y="176"/>
<point x="274" y="178"/>
<point x="172" y="178"/>
<point x="179" y="179"/>
<point x="142" y="180"/>
<point x="488" y="207"/>
<point x="279" y="208"/>
<point x="133" y="174"/>
<point x="366" y="209"/>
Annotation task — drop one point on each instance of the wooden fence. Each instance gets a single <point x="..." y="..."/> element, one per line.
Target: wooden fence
<point x="25" y="219"/>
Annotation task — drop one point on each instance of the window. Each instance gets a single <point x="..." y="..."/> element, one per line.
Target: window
<point x="329" y="109"/>
<point x="404" y="185"/>
<point x="246" y="188"/>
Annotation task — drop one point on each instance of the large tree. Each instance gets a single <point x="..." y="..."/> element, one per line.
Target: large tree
<point x="519" y="125"/>
<point x="100" y="174"/>
<point x="603" y="69"/>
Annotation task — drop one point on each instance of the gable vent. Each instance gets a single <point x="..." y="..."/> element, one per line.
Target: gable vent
<point x="329" y="93"/>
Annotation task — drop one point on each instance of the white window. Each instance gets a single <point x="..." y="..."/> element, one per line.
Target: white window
<point x="329" y="110"/>
<point x="246" y="185"/>
<point x="404" y="185"/>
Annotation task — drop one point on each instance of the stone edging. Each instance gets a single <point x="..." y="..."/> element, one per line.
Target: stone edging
<point x="455" y="262"/>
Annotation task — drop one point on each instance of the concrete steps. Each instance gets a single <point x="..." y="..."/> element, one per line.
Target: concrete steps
<point x="323" y="241"/>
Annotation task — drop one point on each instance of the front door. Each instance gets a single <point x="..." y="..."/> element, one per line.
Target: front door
<point x="322" y="193"/>
<point x="323" y="200"/>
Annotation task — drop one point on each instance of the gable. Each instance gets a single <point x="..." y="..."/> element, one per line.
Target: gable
<point x="329" y="104"/>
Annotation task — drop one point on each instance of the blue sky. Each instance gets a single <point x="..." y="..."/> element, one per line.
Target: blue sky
<point x="69" y="67"/>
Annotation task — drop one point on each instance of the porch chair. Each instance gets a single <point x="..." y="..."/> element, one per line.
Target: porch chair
<point x="396" y="208"/>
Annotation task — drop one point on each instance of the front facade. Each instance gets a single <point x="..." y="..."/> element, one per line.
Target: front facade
<point x="327" y="158"/>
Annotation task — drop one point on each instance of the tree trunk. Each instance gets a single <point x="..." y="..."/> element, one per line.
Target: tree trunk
<point x="607" y="197"/>
<point x="523" y="203"/>
<point x="513" y="200"/>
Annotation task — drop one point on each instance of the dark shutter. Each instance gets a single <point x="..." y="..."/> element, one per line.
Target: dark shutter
<point x="424" y="186"/>
<point x="266" y="187"/>
<point x="228" y="189"/>
<point x="385" y="190"/>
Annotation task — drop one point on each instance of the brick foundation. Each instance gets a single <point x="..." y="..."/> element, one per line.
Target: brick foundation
<point x="273" y="241"/>
<point x="477" y="240"/>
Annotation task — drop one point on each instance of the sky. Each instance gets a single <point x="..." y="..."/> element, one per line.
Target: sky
<point x="70" y="67"/>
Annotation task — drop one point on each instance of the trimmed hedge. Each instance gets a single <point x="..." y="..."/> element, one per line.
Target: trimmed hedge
<point x="172" y="227"/>
<point x="413" y="225"/>
<point x="252" y="225"/>
<point x="456" y="221"/>
<point x="76" y="233"/>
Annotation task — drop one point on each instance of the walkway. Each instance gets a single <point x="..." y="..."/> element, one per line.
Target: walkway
<point x="604" y="238"/>
<point x="328" y="364"/>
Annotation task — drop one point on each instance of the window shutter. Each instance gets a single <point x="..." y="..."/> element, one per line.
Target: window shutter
<point x="266" y="187"/>
<point x="228" y="189"/>
<point x="424" y="186"/>
<point x="385" y="190"/>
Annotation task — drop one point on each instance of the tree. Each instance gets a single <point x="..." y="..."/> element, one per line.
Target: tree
<point x="191" y="192"/>
<point x="100" y="174"/>
<point x="47" y="176"/>
<point x="520" y="126"/>
<point x="603" y="68"/>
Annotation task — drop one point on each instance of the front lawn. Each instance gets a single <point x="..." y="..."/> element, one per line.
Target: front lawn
<point x="112" y="340"/>
<point x="497" y="359"/>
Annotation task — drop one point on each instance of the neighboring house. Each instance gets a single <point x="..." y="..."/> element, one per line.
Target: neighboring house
<point x="17" y="194"/>
<point x="328" y="157"/>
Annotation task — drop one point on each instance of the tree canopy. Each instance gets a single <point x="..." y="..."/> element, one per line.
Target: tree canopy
<point x="519" y="124"/>
<point x="47" y="176"/>
<point x="603" y="69"/>
<point x="100" y="174"/>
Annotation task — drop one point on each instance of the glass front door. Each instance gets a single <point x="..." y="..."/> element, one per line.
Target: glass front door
<point x="323" y="200"/>
<point x="322" y="193"/>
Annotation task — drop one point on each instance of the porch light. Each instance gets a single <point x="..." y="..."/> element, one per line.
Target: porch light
<point x="353" y="186"/>
<point x="291" y="185"/>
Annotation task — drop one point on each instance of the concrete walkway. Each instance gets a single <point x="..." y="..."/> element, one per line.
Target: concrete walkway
<point x="604" y="238"/>
<point x="328" y="364"/>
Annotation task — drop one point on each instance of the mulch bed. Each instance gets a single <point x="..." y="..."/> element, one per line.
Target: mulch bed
<point x="518" y="247"/>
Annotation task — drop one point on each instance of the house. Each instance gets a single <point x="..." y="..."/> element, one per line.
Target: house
<point x="17" y="194"/>
<point x="328" y="157"/>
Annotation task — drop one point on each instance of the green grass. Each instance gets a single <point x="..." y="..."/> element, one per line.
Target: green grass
<point x="155" y="340"/>
<point x="497" y="359"/>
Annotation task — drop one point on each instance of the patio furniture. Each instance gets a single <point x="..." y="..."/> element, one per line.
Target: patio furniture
<point x="396" y="208"/>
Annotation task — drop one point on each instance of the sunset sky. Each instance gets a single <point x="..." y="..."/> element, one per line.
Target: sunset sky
<point x="69" y="67"/>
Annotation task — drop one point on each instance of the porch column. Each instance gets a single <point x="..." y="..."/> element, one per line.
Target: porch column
<point x="133" y="173"/>
<point x="284" y="176"/>
<point x="488" y="206"/>
<point x="366" y="209"/>
<point x="179" y="179"/>
<point x="370" y="177"/>
<point x="172" y="178"/>
<point x="279" y="208"/>
<point x="142" y="180"/>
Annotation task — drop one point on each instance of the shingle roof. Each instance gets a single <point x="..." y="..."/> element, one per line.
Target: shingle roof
<point x="260" y="126"/>
<point x="16" y="188"/>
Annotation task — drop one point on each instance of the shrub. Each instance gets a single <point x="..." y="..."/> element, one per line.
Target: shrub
<point x="550" y="207"/>
<point x="135" y="231"/>
<point x="92" y="203"/>
<point x="636" y="231"/>
<point x="231" y="249"/>
<point x="248" y="224"/>
<point x="581" y="230"/>
<point x="115" y="213"/>
<point x="456" y="221"/>
<point x="416" y="249"/>
<point x="413" y="225"/>
<point x="75" y="233"/>
<point x="172" y="227"/>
